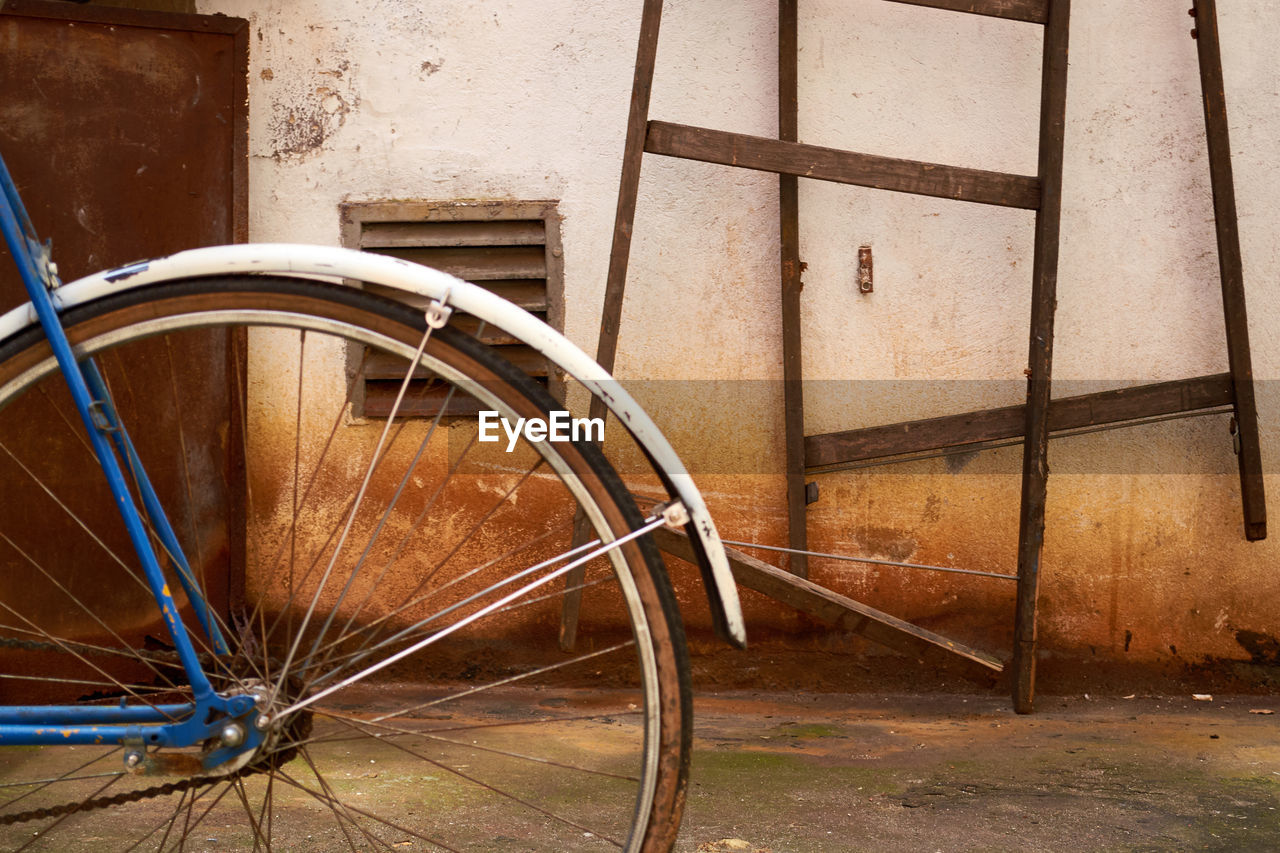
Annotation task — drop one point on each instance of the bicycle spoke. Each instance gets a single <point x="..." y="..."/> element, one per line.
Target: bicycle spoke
<point x="189" y="825"/>
<point x="65" y="648"/>
<point x="186" y="822"/>
<point x="510" y="680"/>
<point x="490" y="686"/>
<point x="297" y="465"/>
<point x="199" y="639"/>
<point x="470" y="727"/>
<point x="496" y="790"/>
<point x="346" y="633"/>
<point x="360" y="493"/>
<point x="354" y="571"/>
<point x="131" y="572"/>
<point x="462" y="540"/>
<point x="184" y="805"/>
<point x="273" y="563"/>
<point x="574" y="718"/>
<point x="266" y="813"/>
<point x="345" y="519"/>
<point x="238" y="784"/>
<point x="240" y="404"/>
<point x="391" y="614"/>
<point x="44" y="832"/>
<point x="407" y="633"/>
<point x="347" y="515"/>
<point x="75" y="518"/>
<point x="285" y="777"/>
<point x="132" y="689"/>
<point x="168" y="825"/>
<point x="73" y="427"/>
<point x="394" y="732"/>
<point x="479" y="614"/>
<point x="65" y="777"/>
<point x="84" y="608"/>
<point x="404" y="480"/>
<point x="198" y="571"/>
<point x="341" y="810"/>
<point x="91" y="648"/>
<point x="560" y="593"/>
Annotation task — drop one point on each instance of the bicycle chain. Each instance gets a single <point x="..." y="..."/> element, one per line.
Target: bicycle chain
<point x="67" y="647"/>
<point x="275" y="759"/>
<point x="115" y="800"/>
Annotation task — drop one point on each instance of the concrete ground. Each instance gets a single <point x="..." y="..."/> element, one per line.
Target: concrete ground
<point x="828" y="772"/>
<point x="801" y="773"/>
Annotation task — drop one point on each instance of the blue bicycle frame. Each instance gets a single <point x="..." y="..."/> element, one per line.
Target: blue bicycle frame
<point x="209" y="714"/>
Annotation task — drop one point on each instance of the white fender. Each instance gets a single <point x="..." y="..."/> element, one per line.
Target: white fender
<point x="328" y="261"/>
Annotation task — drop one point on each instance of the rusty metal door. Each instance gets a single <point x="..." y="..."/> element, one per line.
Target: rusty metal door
<point x="126" y="134"/>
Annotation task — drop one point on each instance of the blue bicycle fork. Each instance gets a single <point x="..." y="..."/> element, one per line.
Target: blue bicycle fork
<point x="156" y="725"/>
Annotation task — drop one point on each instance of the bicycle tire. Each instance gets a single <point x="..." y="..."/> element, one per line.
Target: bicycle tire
<point x="569" y="767"/>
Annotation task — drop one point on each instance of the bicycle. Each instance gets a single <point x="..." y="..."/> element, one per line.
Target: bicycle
<point x="376" y="633"/>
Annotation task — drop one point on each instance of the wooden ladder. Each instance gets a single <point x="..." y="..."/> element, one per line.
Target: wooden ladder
<point x="1033" y="422"/>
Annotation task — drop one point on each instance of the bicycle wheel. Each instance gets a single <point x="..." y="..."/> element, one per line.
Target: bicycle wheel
<point x="330" y="545"/>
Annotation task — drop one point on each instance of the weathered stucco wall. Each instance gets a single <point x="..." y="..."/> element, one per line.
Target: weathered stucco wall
<point x="1145" y="560"/>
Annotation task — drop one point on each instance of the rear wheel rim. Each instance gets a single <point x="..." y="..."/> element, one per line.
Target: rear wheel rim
<point x="656" y="731"/>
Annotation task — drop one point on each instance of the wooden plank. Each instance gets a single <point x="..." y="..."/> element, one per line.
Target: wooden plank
<point x="496" y="232"/>
<point x="365" y="213"/>
<point x="844" y="167"/>
<point x="619" y="256"/>
<point x="485" y="333"/>
<point x="382" y="366"/>
<point x="791" y="284"/>
<point x="478" y="263"/>
<point x="1067" y="413"/>
<point x="529" y="293"/>
<point x="628" y="185"/>
<point x="1044" y="283"/>
<point x="1031" y="11"/>
<point x="423" y="401"/>
<point x="1252" y="492"/>
<point x="553" y="290"/>
<point x="835" y="609"/>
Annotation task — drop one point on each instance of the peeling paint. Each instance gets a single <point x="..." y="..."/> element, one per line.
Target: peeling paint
<point x="304" y="93"/>
<point x="302" y="127"/>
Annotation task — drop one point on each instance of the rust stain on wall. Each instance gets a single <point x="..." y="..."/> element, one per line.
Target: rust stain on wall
<point x="1263" y="649"/>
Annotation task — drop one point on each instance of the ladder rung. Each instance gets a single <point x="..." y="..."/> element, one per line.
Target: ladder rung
<point x="832" y="607"/>
<point x="1031" y="11"/>
<point x="843" y="167"/>
<point x="1084" y="410"/>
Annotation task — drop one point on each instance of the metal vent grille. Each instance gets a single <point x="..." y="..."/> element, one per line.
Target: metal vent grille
<point x="510" y="248"/>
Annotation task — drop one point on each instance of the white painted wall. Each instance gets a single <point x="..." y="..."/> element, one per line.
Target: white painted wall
<point x="466" y="99"/>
